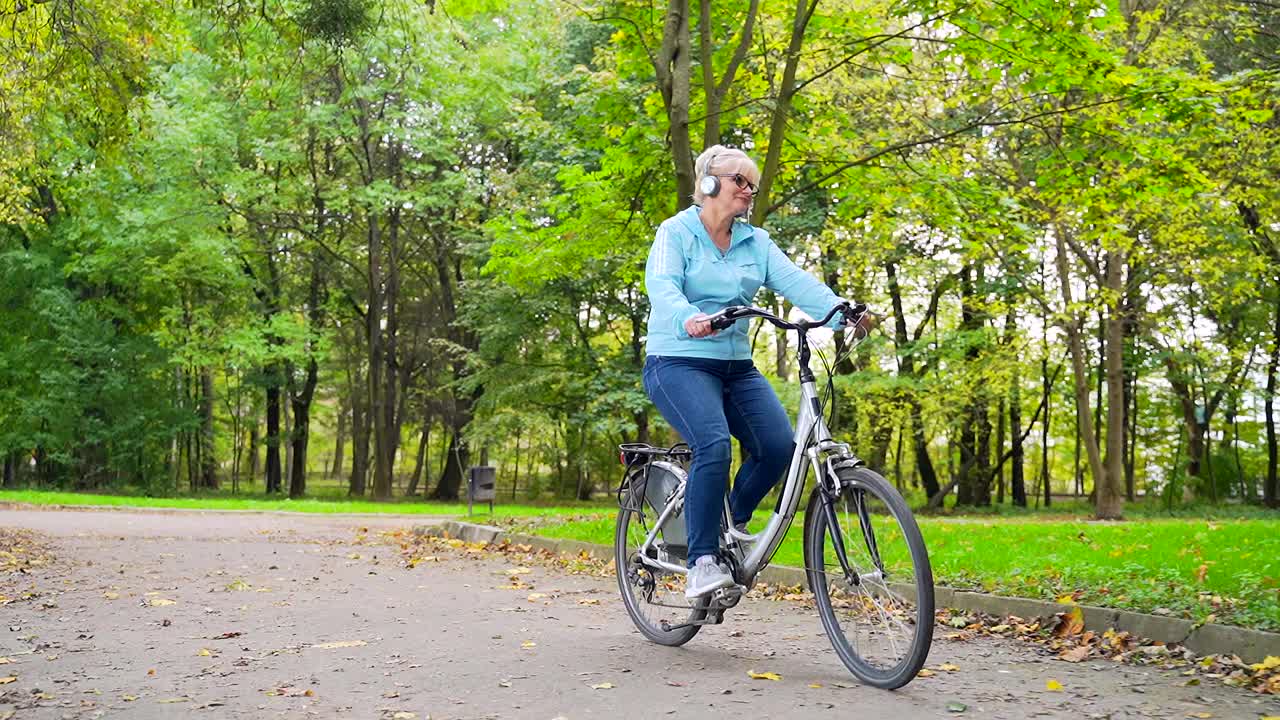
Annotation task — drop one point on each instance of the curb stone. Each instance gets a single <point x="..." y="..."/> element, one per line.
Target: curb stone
<point x="1251" y="646"/>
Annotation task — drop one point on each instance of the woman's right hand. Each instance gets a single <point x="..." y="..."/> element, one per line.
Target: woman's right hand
<point x="699" y="326"/>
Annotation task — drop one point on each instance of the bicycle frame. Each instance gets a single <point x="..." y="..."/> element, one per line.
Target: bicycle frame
<point x="814" y="449"/>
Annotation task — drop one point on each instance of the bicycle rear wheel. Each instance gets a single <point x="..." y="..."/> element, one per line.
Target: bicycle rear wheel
<point x="654" y="598"/>
<point x="880" y="616"/>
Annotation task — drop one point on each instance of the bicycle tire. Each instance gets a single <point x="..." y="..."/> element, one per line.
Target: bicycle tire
<point x="633" y="577"/>
<point x="876" y="609"/>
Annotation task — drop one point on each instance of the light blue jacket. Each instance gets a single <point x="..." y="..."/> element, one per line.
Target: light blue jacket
<point x="686" y="274"/>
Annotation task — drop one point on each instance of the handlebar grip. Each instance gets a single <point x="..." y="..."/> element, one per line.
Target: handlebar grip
<point x="721" y="322"/>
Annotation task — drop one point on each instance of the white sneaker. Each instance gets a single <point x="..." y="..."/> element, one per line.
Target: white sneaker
<point x="706" y="576"/>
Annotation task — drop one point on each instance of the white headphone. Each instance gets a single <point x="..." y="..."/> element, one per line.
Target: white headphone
<point x="710" y="184"/>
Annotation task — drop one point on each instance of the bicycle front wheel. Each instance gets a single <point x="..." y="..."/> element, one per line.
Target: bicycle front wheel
<point x="878" y="614"/>
<point x="654" y="598"/>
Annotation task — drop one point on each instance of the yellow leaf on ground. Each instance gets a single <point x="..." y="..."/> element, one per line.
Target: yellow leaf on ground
<point x="1200" y="714"/>
<point x="111" y="595"/>
<point x="404" y="715"/>
<point x="1270" y="662"/>
<point x="160" y="602"/>
<point x="815" y="685"/>
<point x="173" y="700"/>
<point x="764" y="675"/>
<point x="5" y="660"/>
<point x="535" y="597"/>
<point x="589" y="601"/>
<point x="7" y="680"/>
<point x="1069" y="599"/>
<point x="602" y="686"/>
<point x="341" y="644"/>
<point x="205" y="652"/>
<point x="1053" y="686"/>
<point x="926" y="672"/>
<point x="949" y="667"/>
<point x="528" y="644"/>
<point x="1072" y="623"/>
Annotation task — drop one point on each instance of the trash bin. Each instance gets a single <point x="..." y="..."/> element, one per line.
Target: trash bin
<point x="481" y="486"/>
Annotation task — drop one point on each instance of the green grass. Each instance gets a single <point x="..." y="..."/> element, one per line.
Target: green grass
<point x="1140" y="565"/>
<point x="334" y="504"/>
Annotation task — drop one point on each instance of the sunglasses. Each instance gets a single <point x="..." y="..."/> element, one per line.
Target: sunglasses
<point x="741" y="181"/>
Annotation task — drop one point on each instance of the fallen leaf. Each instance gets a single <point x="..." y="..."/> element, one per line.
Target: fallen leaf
<point x="528" y="644"/>
<point x="1070" y="623"/>
<point x="956" y="707"/>
<point x="7" y="680"/>
<point x="404" y="715"/>
<point x="764" y="675"/>
<point x="949" y="667"/>
<point x="534" y="597"/>
<point x="815" y="685"/>
<point x="1270" y="662"/>
<point x="111" y="595"/>
<point x="128" y="698"/>
<point x="1069" y="599"/>
<point x="160" y="602"/>
<point x="1053" y="686"/>
<point x="1202" y="572"/>
<point x="926" y="672"/>
<point x="589" y="601"/>
<point x="1200" y="714"/>
<point x="341" y="644"/>
<point x="205" y="652"/>
<point x="173" y="700"/>
<point x="1075" y="654"/>
<point x="602" y="686"/>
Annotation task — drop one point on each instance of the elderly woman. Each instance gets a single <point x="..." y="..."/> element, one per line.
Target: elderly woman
<point x="704" y="383"/>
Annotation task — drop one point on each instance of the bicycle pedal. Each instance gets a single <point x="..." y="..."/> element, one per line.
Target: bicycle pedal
<point x="728" y="596"/>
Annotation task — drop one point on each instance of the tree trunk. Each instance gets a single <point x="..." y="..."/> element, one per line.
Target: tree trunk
<point x="10" y="476"/>
<point x="1079" y="369"/>
<point x="457" y="459"/>
<point x="1270" y="493"/>
<point x="1046" y="398"/>
<point x="208" y="462"/>
<point x="302" y="430"/>
<point x="906" y="366"/>
<point x="1109" y="501"/>
<point x="254" y="456"/>
<point x="273" y="430"/>
<point x="340" y="438"/>
<point x="286" y="421"/>
<point x="672" y="65"/>
<point x="781" y="111"/>
<point x="360" y="432"/>
<point x="420" y="460"/>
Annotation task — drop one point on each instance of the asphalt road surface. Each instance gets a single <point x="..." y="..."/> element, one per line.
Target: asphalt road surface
<point x="240" y="615"/>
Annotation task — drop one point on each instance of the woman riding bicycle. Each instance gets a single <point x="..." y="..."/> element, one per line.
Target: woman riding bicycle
<point x="704" y="383"/>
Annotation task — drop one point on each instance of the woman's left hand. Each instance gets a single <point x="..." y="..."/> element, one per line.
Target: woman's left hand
<point x="865" y="323"/>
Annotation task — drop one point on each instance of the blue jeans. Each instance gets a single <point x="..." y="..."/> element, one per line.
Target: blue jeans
<point x="706" y="401"/>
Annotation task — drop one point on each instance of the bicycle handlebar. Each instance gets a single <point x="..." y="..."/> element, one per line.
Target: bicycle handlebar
<point x="733" y="313"/>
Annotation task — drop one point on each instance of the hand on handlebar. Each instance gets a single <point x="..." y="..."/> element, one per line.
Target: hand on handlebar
<point x="699" y="326"/>
<point x="862" y="325"/>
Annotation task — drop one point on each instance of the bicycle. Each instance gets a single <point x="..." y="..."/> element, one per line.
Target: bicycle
<point x="864" y="557"/>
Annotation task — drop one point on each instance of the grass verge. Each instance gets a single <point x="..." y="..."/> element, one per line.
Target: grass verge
<point x="412" y="506"/>
<point x="1224" y="571"/>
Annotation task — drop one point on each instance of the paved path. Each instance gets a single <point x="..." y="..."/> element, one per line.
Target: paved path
<point x="222" y="615"/>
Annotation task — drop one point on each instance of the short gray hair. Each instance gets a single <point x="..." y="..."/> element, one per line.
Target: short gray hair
<point x="719" y="157"/>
